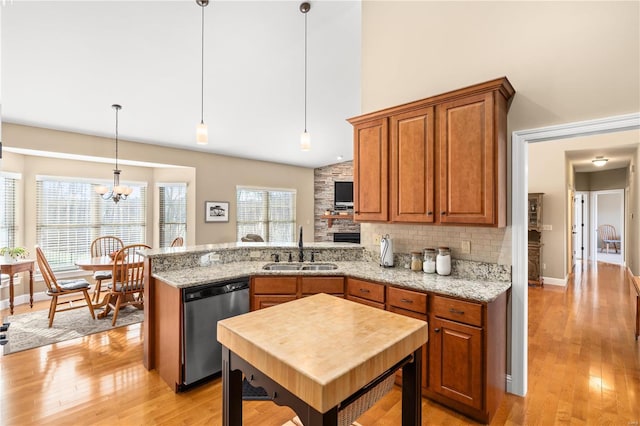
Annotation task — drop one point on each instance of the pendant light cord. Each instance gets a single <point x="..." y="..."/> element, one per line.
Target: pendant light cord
<point x="116" y="108"/>
<point x="202" y="73"/>
<point x="305" y="72"/>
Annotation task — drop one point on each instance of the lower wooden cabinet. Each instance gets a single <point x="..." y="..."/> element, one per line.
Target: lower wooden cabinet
<point x="464" y="360"/>
<point x="411" y="304"/>
<point x="467" y="354"/>
<point x="456" y="361"/>
<point x="266" y="291"/>
<point x="366" y="292"/>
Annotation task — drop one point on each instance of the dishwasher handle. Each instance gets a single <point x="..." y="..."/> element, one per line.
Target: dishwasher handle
<point x="204" y="292"/>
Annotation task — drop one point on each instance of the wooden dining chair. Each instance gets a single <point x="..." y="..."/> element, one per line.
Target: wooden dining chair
<point x="127" y="284"/>
<point x="103" y="246"/>
<point x="177" y="242"/>
<point x="57" y="288"/>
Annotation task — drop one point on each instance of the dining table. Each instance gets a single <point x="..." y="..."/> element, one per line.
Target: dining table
<point x="320" y="355"/>
<point x="94" y="264"/>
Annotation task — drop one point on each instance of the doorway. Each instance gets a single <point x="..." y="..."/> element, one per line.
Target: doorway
<point x="607" y="208"/>
<point x="517" y="381"/>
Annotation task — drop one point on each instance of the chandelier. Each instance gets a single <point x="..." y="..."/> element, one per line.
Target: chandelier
<point x="117" y="192"/>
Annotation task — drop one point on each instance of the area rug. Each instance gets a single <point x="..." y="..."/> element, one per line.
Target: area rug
<point x="31" y="330"/>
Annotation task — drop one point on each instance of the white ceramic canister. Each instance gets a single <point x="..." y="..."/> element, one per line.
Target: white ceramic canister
<point x="443" y="261"/>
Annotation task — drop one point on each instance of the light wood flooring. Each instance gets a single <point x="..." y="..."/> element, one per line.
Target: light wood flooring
<point x="584" y="368"/>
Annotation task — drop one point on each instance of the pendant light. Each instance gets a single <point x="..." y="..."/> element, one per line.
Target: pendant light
<point x="305" y="137"/>
<point x="202" y="133"/>
<point x="117" y="192"/>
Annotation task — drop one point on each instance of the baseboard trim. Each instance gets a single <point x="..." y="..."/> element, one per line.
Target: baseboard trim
<point x="555" y="281"/>
<point x="23" y="299"/>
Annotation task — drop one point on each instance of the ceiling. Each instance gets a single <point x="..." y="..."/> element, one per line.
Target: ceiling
<point x="619" y="148"/>
<point x="65" y="63"/>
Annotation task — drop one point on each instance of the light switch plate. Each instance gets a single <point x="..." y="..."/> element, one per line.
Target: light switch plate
<point x="547" y="227"/>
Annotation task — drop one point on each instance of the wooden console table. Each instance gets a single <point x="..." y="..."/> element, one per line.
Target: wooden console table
<point x="313" y="354"/>
<point x="12" y="268"/>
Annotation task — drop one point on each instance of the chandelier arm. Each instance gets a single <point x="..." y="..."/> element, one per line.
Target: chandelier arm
<point x="305" y="72"/>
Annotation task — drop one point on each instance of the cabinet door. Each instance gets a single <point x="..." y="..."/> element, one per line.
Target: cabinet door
<point x="370" y="171"/>
<point x="412" y="166"/>
<point x="455" y="361"/>
<point x="467" y="161"/>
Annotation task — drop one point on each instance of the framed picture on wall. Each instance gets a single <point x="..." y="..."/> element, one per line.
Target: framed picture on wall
<point x="216" y="211"/>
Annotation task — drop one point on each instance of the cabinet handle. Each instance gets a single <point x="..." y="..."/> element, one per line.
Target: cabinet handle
<point x="443" y="213"/>
<point x="436" y="330"/>
<point x="406" y="301"/>
<point x="364" y="290"/>
<point x="356" y="212"/>
<point x="455" y="311"/>
<point x="429" y="213"/>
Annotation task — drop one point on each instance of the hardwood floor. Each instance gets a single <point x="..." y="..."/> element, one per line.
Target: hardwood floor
<point x="584" y="368"/>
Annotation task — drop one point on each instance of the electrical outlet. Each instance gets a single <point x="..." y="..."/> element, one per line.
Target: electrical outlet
<point x="544" y="266"/>
<point x="465" y="247"/>
<point x="255" y="254"/>
<point x="377" y="238"/>
<point x="547" y="228"/>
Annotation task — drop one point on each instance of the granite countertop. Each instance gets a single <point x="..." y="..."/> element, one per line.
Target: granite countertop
<point x="478" y="290"/>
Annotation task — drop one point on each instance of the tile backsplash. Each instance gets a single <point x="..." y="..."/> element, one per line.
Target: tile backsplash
<point x="488" y="245"/>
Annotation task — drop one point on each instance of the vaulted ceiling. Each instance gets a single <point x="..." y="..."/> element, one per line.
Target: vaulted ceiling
<point x="65" y="63"/>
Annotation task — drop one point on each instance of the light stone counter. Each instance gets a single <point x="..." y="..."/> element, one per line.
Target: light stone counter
<point x="472" y="289"/>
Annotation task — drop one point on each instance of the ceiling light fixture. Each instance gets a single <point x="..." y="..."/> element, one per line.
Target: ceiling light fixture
<point x="599" y="161"/>
<point x="305" y="137"/>
<point x="118" y="192"/>
<point x="202" y="133"/>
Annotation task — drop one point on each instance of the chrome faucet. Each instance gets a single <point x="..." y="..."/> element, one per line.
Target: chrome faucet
<point x="300" y="248"/>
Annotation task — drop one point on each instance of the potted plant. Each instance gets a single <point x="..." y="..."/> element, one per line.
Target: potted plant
<point x="11" y="254"/>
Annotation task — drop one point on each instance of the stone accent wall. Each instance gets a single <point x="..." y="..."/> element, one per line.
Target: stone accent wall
<point x="324" y="177"/>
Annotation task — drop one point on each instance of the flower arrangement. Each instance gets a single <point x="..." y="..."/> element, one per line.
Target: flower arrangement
<point x="14" y="253"/>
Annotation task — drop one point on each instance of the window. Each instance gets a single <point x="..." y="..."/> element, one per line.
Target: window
<point x="173" y="212"/>
<point x="270" y="213"/>
<point x="70" y="214"/>
<point x="8" y="209"/>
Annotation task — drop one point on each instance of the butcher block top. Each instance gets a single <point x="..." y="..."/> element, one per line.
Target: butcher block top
<point x="322" y="348"/>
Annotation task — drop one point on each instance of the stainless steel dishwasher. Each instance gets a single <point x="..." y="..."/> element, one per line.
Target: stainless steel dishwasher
<point x="204" y="306"/>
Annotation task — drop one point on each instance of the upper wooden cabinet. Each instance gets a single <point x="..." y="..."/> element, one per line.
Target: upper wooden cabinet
<point x="412" y="166"/>
<point x="370" y="170"/>
<point x="447" y="159"/>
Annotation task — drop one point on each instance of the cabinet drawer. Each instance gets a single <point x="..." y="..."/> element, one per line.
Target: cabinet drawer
<point x="270" y="285"/>
<point x="365" y="290"/>
<point x="329" y="285"/>
<point x="407" y="299"/>
<point x="365" y="302"/>
<point x="457" y="310"/>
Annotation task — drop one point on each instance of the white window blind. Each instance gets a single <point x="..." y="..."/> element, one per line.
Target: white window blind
<point x="70" y="214"/>
<point x="173" y="212"/>
<point x="270" y="213"/>
<point x="7" y="211"/>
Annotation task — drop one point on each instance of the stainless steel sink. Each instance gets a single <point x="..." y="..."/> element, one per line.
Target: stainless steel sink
<point x="319" y="267"/>
<point x="300" y="267"/>
<point x="281" y="267"/>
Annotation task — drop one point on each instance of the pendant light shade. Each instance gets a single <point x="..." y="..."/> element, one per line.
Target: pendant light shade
<point x="202" y="132"/>
<point x="305" y="137"/>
